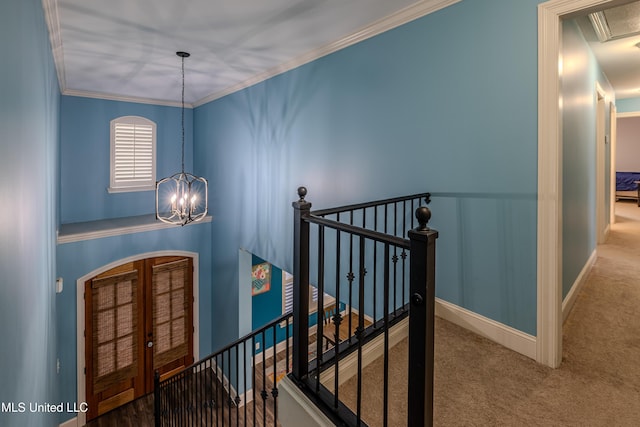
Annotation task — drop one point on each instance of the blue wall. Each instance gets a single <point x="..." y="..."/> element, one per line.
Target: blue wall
<point x="628" y="105"/>
<point x="578" y="82"/>
<point x="445" y="104"/>
<point x="84" y="156"/>
<point x="29" y="116"/>
<point x="76" y="260"/>
<point x="84" y="178"/>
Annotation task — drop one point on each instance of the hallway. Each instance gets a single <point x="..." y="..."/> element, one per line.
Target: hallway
<point x="479" y="383"/>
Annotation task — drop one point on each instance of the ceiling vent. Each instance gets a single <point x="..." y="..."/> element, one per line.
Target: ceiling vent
<point x="617" y="23"/>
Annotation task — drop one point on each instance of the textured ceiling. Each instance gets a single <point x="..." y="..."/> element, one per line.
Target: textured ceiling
<point x="125" y="49"/>
<point x="619" y="57"/>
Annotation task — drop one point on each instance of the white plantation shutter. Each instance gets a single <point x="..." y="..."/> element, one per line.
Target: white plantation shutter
<point x="287" y="294"/>
<point x="133" y="147"/>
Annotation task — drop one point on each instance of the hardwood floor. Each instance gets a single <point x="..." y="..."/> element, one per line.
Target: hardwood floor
<point x="138" y="413"/>
<point x="204" y="400"/>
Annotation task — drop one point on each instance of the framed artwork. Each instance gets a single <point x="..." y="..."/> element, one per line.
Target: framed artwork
<point x="261" y="278"/>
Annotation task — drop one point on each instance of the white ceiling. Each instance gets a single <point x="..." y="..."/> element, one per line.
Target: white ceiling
<point x="125" y="49"/>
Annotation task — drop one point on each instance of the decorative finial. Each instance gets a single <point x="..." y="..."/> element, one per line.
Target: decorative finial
<point x="423" y="215"/>
<point x="302" y="192"/>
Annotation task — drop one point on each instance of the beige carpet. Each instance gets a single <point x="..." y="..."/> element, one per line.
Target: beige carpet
<point x="479" y="383"/>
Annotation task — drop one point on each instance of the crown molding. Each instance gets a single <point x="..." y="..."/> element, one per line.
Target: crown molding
<point x="139" y="100"/>
<point x="53" y="24"/>
<point x="403" y="16"/>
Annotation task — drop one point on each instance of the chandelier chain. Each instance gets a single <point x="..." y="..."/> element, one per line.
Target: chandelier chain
<point x="182" y="114"/>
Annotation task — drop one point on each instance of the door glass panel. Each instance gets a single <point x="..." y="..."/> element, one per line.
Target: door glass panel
<point x="169" y="312"/>
<point x="114" y="329"/>
<point x="106" y="359"/>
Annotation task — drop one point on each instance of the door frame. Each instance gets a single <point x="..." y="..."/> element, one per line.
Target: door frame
<point x="549" y="239"/>
<point x="613" y="130"/>
<point x="602" y="228"/>
<point x="80" y="320"/>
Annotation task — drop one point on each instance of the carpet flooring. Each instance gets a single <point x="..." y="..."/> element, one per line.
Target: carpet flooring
<point x="480" y="383"/>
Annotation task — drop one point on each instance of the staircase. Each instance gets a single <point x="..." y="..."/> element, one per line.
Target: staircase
<point x="373" y="258"/>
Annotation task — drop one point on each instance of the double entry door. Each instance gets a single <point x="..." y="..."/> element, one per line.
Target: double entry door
<point x="138" y="320"/>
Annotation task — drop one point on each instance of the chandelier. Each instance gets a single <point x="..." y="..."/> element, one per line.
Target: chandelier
<point x="181" y="198"/>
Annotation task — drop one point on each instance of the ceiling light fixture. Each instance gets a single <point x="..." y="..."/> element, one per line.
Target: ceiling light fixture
<point x="183" y="197"/>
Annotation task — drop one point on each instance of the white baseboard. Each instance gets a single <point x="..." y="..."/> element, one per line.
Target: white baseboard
<point x="504" y="335"/>
<point x="570" y="299"/>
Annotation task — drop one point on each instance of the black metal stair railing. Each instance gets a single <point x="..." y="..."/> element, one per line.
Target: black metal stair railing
<point x="377" y="274"/>
<point x="360" y="255"/>
<point x="234" y="386"/>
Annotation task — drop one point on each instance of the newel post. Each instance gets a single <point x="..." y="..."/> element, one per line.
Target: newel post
<point x="301" y="210"/>
<point x="421" y="321"/>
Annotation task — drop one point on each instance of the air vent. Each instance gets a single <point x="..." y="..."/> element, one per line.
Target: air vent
<point x="617" y="22"/>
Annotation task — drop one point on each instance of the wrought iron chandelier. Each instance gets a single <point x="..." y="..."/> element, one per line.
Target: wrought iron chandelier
<point x="183" y="197"/>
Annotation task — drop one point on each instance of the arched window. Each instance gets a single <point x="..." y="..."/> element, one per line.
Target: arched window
<point x="133" y="154"/>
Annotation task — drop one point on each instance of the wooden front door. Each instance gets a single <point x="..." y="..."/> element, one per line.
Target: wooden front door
<point x="138" y="319"/>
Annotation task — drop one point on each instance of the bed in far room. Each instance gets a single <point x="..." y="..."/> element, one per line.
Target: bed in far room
<point x="628" y="186"/>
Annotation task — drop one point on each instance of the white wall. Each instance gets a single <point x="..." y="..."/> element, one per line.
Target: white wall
<point x="628" y="145"/>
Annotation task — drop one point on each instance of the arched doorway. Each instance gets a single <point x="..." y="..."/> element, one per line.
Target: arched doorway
<point x="136" y="316"/>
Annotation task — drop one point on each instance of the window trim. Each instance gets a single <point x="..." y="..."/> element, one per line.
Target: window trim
<point x="121" y="187"/>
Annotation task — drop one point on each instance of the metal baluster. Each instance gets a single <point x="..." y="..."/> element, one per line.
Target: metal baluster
<point x="395" y="258"/>
<point x="244" y="377"/>
<point x="224" y="388"/>
<point x="217" y="386"/>
<point x="156" y="398"/>
<point x="263" y="393"/>
<point x="237" y="380"/>
<point x="337" y="347"/>
<point x="360" y="329"/>
<point x="375" y="265"/>
<point x="385" y="415"/>
<point x="320" y="312"/>
<point x="175" y="401"/>
<point x="350" y="276"/>
<point x="274" y="390"/>
<point x="287" y="334"/>
<point x="253" y="377"/>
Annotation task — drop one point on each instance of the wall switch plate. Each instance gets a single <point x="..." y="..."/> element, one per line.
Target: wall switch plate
<point x="59" y="285"/>
<point x="257" y="346"/>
